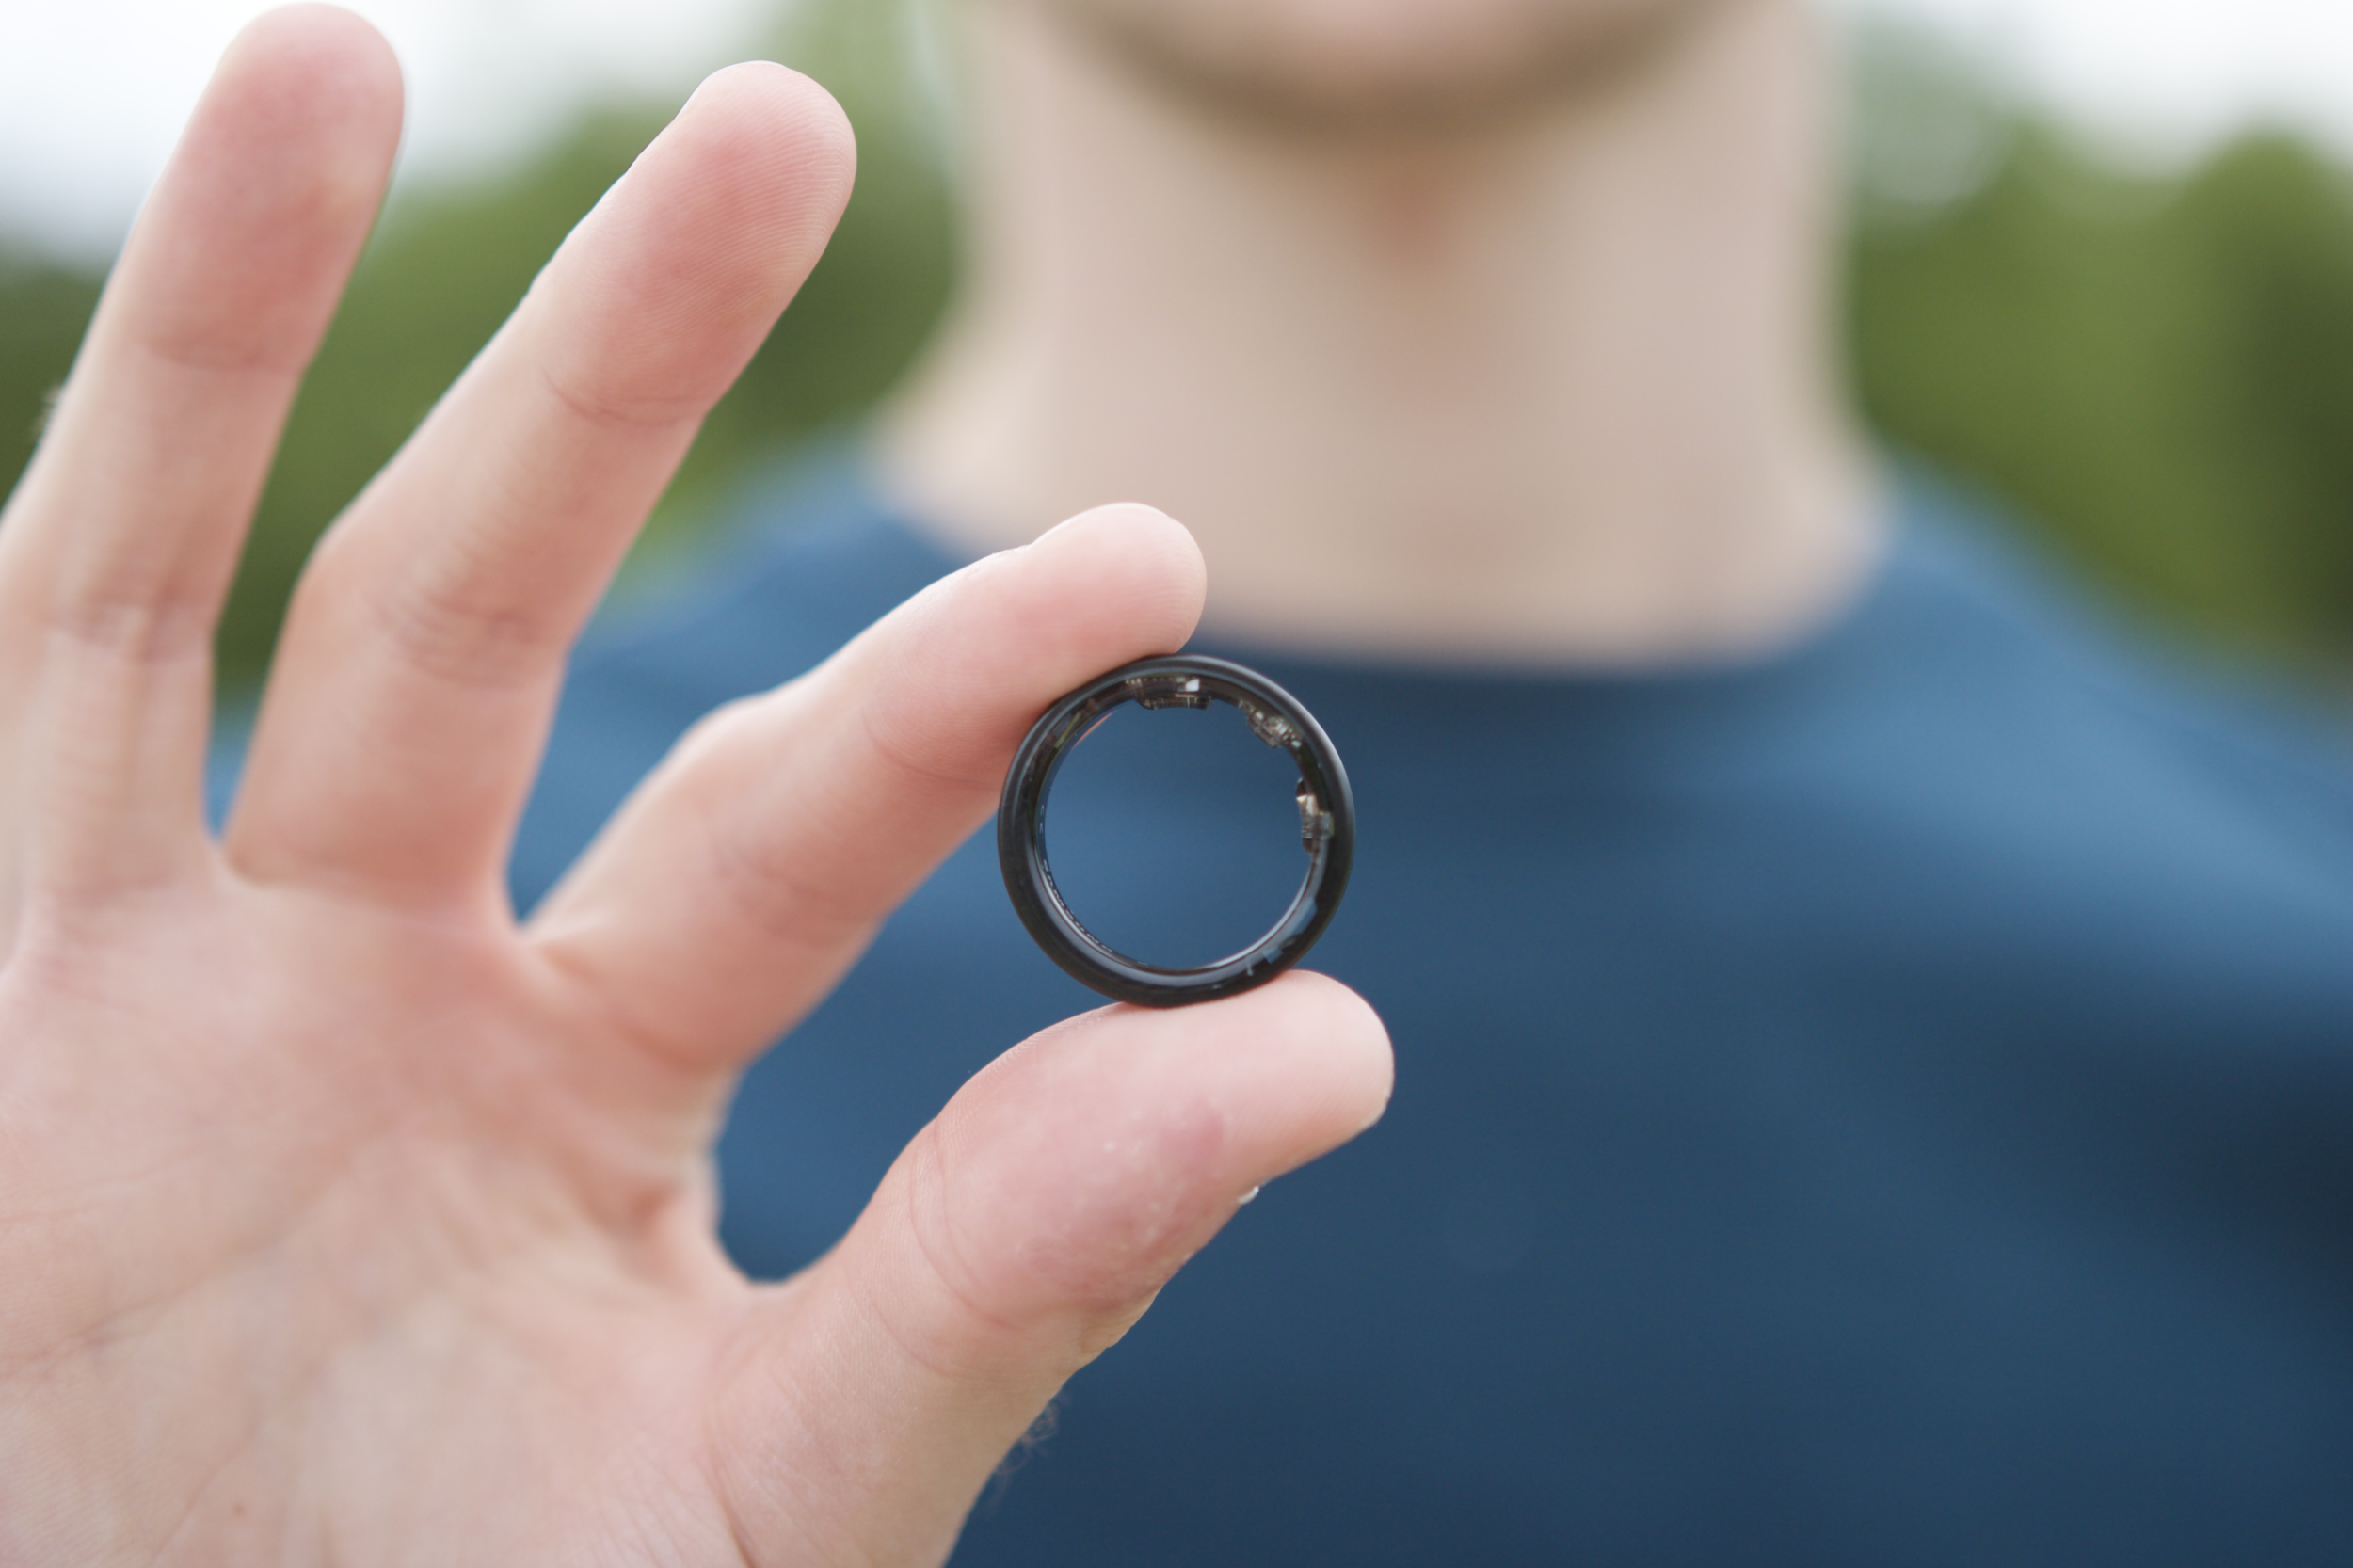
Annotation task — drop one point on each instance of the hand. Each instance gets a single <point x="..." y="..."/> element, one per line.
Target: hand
<point x="340" y="1218"/>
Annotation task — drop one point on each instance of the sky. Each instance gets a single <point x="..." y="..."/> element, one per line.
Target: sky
<point x="2171" y="74"/>
<point x="91" y="92"/>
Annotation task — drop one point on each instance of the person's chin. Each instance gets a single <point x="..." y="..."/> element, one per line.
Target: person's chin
<point x="1406" y="65"/>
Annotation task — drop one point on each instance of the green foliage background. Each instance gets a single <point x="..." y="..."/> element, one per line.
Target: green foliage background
<point x="2156" y="370"/>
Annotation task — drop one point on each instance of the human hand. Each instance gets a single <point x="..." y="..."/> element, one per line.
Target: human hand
<point x="342" y="1219"/>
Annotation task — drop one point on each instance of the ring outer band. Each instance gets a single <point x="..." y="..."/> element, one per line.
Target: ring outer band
<point x="1327" y="812"/>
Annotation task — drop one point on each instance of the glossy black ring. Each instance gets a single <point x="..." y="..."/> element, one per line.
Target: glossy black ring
<point x="1327" y="828"/>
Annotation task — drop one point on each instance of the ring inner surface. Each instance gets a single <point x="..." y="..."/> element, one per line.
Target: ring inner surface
<point x="1181" y="838"/>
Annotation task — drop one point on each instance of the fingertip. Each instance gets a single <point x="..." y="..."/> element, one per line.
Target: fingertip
<point x="318" y="62"/>
<point x="1145" y="560"/>
<point x="1079" y="1171"/>
<point x="779" y="126"/>
<point x="1334" y="1021"/>
<point x="765" y="160"/>
<point x="1308" y="1058"/>
<point x="311" y="24"/>
<point x="657" y="301"/>
<point x="240" y="250"/>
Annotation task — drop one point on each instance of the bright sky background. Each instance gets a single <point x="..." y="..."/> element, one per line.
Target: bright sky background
<point x="2171" y="74"/>
<point x="91" y="92"/>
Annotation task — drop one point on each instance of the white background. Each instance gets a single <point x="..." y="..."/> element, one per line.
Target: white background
<point x="2170" y="74"/>
<point x="91" y="92"/>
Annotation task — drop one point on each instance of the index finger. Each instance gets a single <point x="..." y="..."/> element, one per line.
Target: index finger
<point x="746" y="874"/>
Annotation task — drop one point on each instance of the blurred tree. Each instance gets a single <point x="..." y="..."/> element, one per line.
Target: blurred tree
<point x="2155" y="370"/>
<point x="446" y="265"/>
<point x="43" y="308"/>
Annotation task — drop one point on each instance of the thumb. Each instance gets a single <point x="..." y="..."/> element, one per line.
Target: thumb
<point x="870" y="1398"/>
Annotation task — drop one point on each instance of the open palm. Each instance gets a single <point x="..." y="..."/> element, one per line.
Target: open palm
<point x="341" y="1218"/>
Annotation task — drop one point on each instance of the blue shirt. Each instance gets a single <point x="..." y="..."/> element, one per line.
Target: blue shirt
<point x="1889" y="1102"/>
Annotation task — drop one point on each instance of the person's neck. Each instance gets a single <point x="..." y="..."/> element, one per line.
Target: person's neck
<point x="1552" y="391"/>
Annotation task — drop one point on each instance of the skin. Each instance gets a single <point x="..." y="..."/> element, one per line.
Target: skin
<point x="1349" y="69"/>
<point x="1491" y="332"/>
<point x="340" y="1217"/>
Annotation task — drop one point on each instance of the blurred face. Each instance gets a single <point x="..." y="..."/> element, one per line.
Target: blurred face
<point x="1375" y="62"/>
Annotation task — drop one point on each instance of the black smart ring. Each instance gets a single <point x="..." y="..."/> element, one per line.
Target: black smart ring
<point x="1327" y="828"/>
